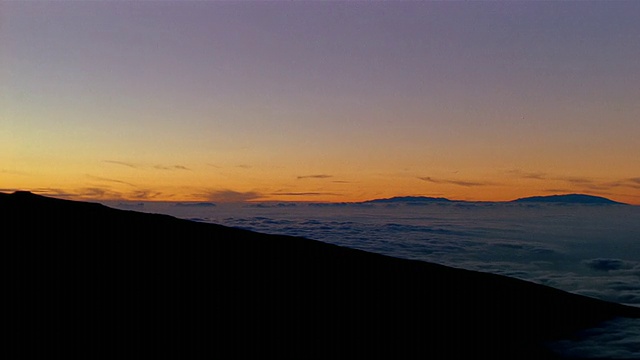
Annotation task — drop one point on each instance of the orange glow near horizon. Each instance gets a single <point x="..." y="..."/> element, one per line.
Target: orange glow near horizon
<point x="288" y="101"/>
<point x="169" y="186"/>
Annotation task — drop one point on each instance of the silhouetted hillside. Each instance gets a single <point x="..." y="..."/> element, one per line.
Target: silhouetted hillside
<point x="568" y="199"/>
<point x="88" y="281"/>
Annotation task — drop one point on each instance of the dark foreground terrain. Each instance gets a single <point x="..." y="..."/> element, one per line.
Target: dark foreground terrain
<point x="88" y="281"/>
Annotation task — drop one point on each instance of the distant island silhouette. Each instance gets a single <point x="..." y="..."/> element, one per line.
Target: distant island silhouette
<point x="408" y="199"/>
<point x="568" y="199"/>
<point x="551" y="199"/>
<point x="84" y="278"/>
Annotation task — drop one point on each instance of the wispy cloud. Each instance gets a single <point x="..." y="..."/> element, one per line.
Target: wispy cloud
<point x="13" y="172"/>
<point x="40" y="191"/>
<point x="171" y="167"/>
<point x="123" y="163"/>
<point x="98" y="192"/>
<point x="231" y="196"/>
<point x="240" y="166"/>
<point x="303" y="193"/>
<point x="576" y="180"/>
<point x="319" y="176"/>
<point x="54" y="192"/>
<point x="528" y="175"/>
<point x="145" y="194"/>
<point x="99" y="178"/>
<point x="586" y="183"/>
<point x="143" y="166"/>
<point x="454" y="182"/>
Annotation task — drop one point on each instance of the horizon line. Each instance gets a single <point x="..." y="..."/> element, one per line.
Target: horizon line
<point x="79" y="197"/>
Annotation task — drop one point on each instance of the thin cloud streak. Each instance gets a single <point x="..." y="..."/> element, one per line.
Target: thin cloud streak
<point x="13" y="172"/>
<point x="528" y="175"/>
<point x="304" y="193"/>
<point x="146" y="194"/>
<point x="454" y="182"/>
<point x="585" y="182"/>
<point x="577" y="180"/>
<point x="141" y="166"/>
<point x="231" y="196"/>
<point x="99" y="178"/>
<point x="174" y="167"/>
<point x="123" y="163"/>
<point x="320" y="176"/>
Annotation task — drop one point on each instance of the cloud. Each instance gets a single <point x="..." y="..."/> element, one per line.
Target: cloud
<point x="604" y="264"/>
<point x="98" y="192"/>
<point x="13" y="172"/>
<point x="232" y="196"/>
<point x="528" y="175"/>
<point x="581" y="183"/>
<point x="577" y="180"/>
<point x="54" y="192"/>
<point x="240" y="166"/>
<point x="173" y="167"/>
<point x="303" y="193"/>
<point x="99" y="178"/>
<point x="95" y="192"/>
<point x="196" y="205"/>
<point x="586" y="182"/>
<point x="145" y="194"/>
<point x="632" y="183"/>
<point x="320" y="176"/>
<point x="615" y="339"/>
<point x="141" y="166"/>
<point x="454" y="182"/>
<point x="123" y="163"/>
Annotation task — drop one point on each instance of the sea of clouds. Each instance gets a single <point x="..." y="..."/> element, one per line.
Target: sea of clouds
<point x="592" y="250"/>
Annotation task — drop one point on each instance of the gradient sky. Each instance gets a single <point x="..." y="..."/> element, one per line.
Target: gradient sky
<point x="320" y="101"/>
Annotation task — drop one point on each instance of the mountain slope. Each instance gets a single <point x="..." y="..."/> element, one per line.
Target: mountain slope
<point x="97" y="282"/>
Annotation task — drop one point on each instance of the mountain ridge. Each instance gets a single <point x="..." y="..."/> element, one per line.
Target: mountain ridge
<point x="562" y="198"/>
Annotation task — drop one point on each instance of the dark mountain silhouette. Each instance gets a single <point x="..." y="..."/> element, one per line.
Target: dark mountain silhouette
<point x="557" y="199"/>
<point x="84" y="280"/>
<point x="408" y="199"/>
<point x="568" y="199"/>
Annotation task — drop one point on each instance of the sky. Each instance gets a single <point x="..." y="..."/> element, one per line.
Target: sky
<point x="320" y="100"/>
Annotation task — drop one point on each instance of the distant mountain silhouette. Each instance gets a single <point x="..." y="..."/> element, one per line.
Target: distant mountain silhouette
<point x="408" y="199"/>
<point x="85" y="280"/>
<point x="567" y="199"/>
